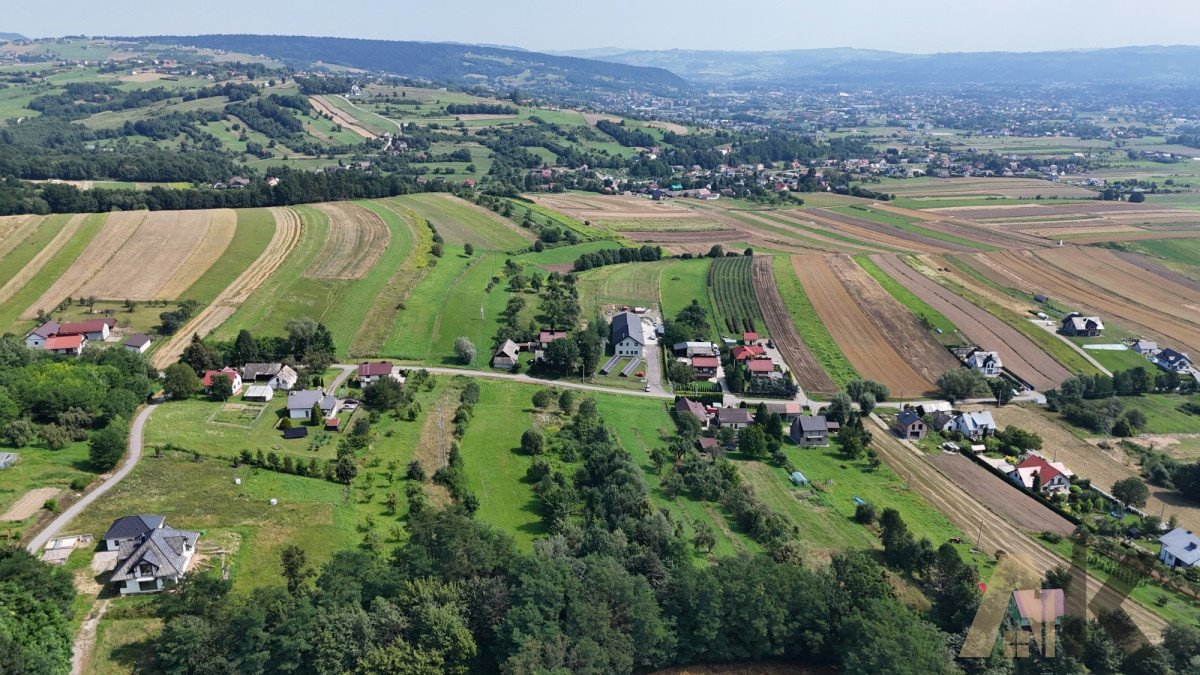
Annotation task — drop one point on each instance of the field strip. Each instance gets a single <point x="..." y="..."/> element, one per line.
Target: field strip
<point x="356" y="239"/>
<point x="118" y="229"/>
<point x="372" y="334"/>
<point x="14" y="230"/>
<point x="870" y="235"/>
<point x="31" y="268"/>
<point x="1100" y="266"/>
<point x="799" y="358"/>
<point x="856" y="334"/>
<point x="287" y="235"/>
<point x="324" y="106"/>
<point x="217" y="238"/>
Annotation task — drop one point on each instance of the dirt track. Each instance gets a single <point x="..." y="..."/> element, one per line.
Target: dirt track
<point x="967" y="513"/>
<point x="35" y="264"/>
<point x="355" y="240"/>
<point x="856" y="334"/>
<point x="1019" y="353"/>
<point x="809" y="374"/>
<point x="287" y="235"/>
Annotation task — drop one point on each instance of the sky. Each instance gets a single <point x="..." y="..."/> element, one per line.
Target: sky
<point x="918" y="26"/>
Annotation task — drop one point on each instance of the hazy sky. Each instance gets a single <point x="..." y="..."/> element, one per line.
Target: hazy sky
<point x="899" y="25"/>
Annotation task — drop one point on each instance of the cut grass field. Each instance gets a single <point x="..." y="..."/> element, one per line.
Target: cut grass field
<point x="562" y="255"/>
<point x="683" y="281"/>
<point x="207" y="427"/>
<point x="920" y="309"/>
<point x="412" y="239"/>
<point x="808" y="324"/>
<point x="40" y="467"/>
<point x="1163" y="414"/>
<point x="1113" y="359"/>
<point x="419" y="317"/>
<point x="15" y="306"/>
<point x="624" y="284"/>
<point x="461" y="222"/>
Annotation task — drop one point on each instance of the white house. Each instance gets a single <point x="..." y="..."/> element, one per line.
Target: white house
<point x="138" y="343"/>
<point x="370" y="373"/>
<point x="1180" y="548"/>
<point x="284" y="379"/>
<point x="627" y="336"/>
<point x="149" y="553"/>
<point x="67" y="345"/>
<point x="1086" y="326"/>
<point x="92" y="329"/>
<point x="975" y="425"/>
<point x="1145" y="348"/>
<point x="235" y="378"/>
<point x="1055" y="476"/>
<point x="36" y="339"/>
<point x="300" y="403"/>
<point x="987" y="363"/>
<point x="1169" y="359"/>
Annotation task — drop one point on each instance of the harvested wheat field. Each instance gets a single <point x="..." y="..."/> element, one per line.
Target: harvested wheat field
<point x="163" y="252"/>
<point x="35" y="264"/>
<point x="632" y="214"/>
<point x="1103" y="467"/>
<point x="867" y="348"/>
<point x="356" y="239"/>
<point x="287" y="235"/>
<point x="325" y="107"/>
<point x="1020" y="355"/>
<point x="118" y="228"/>
<point x="907" y="336"/>
<point x="14" y="230"/>
<point x="1140" y="300"/>
<point x="803" y="364"/>
<point x="1012" y="188"/>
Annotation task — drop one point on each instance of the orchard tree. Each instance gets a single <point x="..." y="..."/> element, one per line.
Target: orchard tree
<point x="464" y="350"/>
<point x="180" y="382"/>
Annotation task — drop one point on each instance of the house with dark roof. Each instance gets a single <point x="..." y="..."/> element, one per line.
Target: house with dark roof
<point x="1180" y="548"/>
<point x="810" y="431"/>
<point x="92" y="329"/>
<point x="1081" y="326"/>
<point x="910" y="426"/>
<point x="36" y="339"/>
<point x="628" y="338"/>
<point x="138" y="343"/>
<point x="150" y="554"/>
<point x="292" y="433"/>
<point x="1172" y="360"/>
<point x="734" y="418"/>
<point x="706" y="444"/>
<point x="694" y="408"/>
<point x="254" y="372"/>
<point x="300" y="403"/>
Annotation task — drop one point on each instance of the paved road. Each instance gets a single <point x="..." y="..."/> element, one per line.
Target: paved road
<point x="131" y="460"/>
<point x="337" y="381"/>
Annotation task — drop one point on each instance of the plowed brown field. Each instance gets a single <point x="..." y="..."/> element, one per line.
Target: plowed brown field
<point x="31" y="268"/>
<point x="1019" y="353"/>
<point x="356" y="239"/>
<point x="1134" y="299"/>
<point x="809" y="373"/>
<point x="856" y="334"/>
<point x="287" y="235"/>
<point x="117" y="230"/>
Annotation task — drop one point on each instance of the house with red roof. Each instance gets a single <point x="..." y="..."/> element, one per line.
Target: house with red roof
<point x="68" y="345"/>
<point x="705" y="366"/>
<point x="1055" y="477"/>
<point x="92" y="329"/>
<point x="761" y="368"/>
<point x="369" y="373"/>
<point x="746" y="352"/>
<point x="749" y="338"/>
<point x="547" y="336"/>
<point x="235" y="379"/>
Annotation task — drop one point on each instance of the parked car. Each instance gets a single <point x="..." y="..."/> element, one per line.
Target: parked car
<point x="952" y="447"/>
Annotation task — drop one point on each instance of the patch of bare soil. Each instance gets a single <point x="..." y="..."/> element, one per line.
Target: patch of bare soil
<point x="29" y="503"/>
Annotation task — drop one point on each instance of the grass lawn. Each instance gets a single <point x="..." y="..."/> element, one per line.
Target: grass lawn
<point x="461" y="222"/>
<point x="416" y="323"/>
<point x="808" y="324"/>
<point x="1163" y="415"/>
<point x="41" y="468"/>
<point x="411" y="241"/>
<point x="123" y="644"/>
<point x="949" y="334"/>
<point x="623" y="284"/>
<point x="143" y="318"/>
<point x="470" y="310"/>
<point x="565" y="254"/>
<point x="683" y="281"/>
<point x="255" y="227"/>
<point x="11" y="310"/>
<point x="1113" y="359"/>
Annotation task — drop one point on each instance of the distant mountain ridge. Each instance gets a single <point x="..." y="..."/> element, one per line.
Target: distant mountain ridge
<point x="12" y="36"/>
<point x="442" y="61"/>
<point x="868" y="67"/>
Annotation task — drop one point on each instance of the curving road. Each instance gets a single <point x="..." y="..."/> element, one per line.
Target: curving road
<point x="131" y="460"/>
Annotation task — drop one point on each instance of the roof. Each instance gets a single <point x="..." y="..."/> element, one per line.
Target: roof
<point x="981" y="359"/>
<point x="788" y="408"/>
<point x="333" y="423"/>
<point x="1044" y="605"/>
<point x="1183" y="544"/>
<point x="130" y="527"/>
<point x="295" y="432"/>
<point x="1048" y="471"/>
<point x="507" y="348"/>
<point x="743" y="352"/>
<point x="227" y="371"/>
<point x="695" y="407"/>
<point x="1145" y="346"/>
<point x="260" y="391"/>
<point x="979" y="419"/>
<point x="706" y="443"/>
<point x="1169" y="355"/>
<point x="705" y="362"/>
<point x="138" y="340"/>
<point x="307" y="398"/>
<point x="811" y="423"/>
<point x="907" y="418"/>
<point x="931" y="406"/>
<point x="627" y="325"/>
<point x="64" y="342"/>
<point x="734" y="416"/>
<point x="377" y="369"/>
<point x="164" y="548"/>
<point x="89" y="326"/>
<point x="761" y="365"/>
<point x="551" y="335"/>
<point x="1083" y="322"/>
<point x="749" y="337"/>
<point x="286" y="374"/>
<point x="45" y="330"/>
<point x="253" y="371"/>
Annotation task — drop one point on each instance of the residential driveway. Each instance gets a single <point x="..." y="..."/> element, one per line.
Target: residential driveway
<point x="654" y="370"/>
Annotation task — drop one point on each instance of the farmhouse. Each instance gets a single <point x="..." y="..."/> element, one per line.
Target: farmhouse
<point x="138" y="343"/>
<point x="940" y="420"/>
<point x="300" y="403"/>
<point x="259" y="392"/>
<point x="909" y="425"/>
<point x="235" y="379"/>
<point x="734" y="418"/>
<point x="1169" y="359"/>
<point x="1081" y="326"/>
<point x="627" y="336"/>
<point x="369" y="373"/>
<point x="696" y="409"/>
<point x="547" y="336"/>
<point x="92" y="329"/>
<point x="811" y="431"/>
<point x="975" y="425"/>
<point x="987" y="363"/>
<point x="705" y="366"/>
<point x="506" y="356"/>
<point x="1037" y="606"/>
<point x="149" y="553"/>
<point x="749" y="338"/>
<point x="260" y="372"/>
<point x="36" y="339"/>
<point x="1055" y="477"/>
<point x="788" y="411"/>
<point x="1145" y="347"/>
<point x="1180" y="548"/>
<point x="285" y="379"/>
<point x="67" y="345"/>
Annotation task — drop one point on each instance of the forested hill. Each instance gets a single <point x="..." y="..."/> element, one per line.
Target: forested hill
<point x="443" y="62"/>
<point x="866" y="67"/>
<point x="11" y="36"/>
